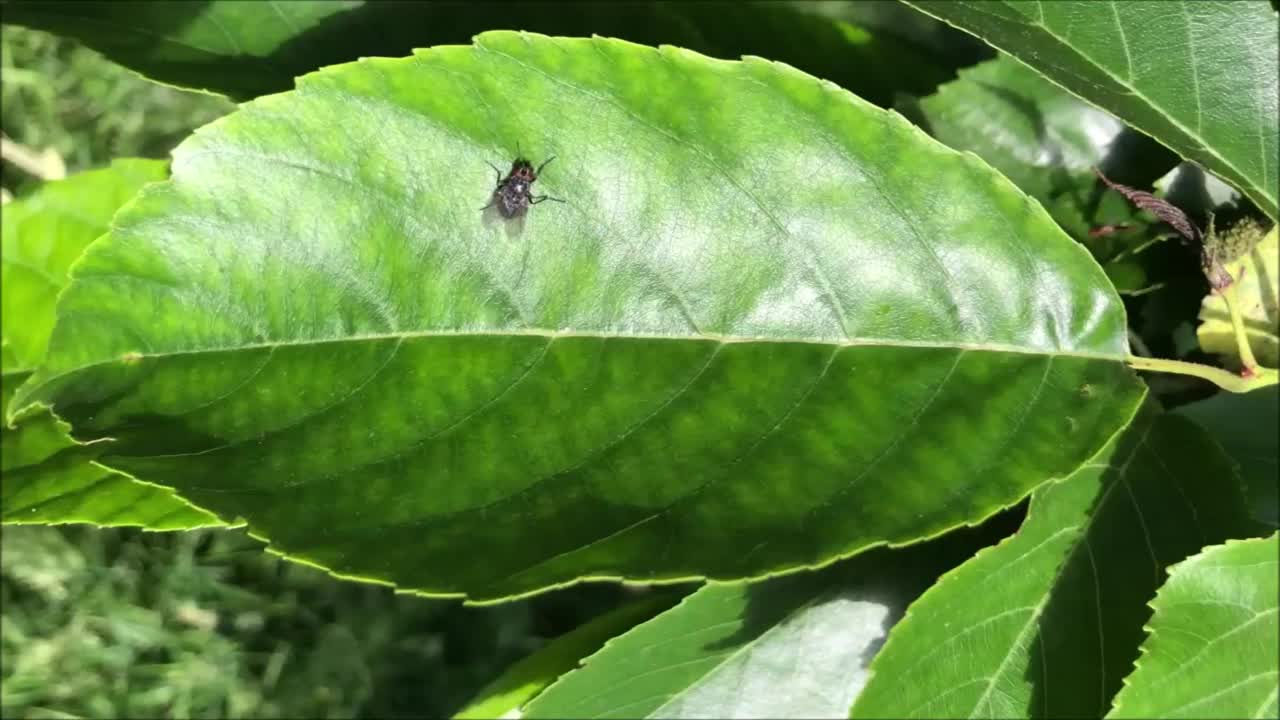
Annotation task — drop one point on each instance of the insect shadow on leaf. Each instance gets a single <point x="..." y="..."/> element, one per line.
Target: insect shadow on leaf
<point x="510" y="201"/>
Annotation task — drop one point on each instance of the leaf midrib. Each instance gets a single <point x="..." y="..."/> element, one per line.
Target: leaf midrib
<point x="20" y="401"/>
<point x="720" y="338"/>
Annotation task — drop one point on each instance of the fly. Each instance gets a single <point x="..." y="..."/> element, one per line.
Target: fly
<point x="513" y="194"/>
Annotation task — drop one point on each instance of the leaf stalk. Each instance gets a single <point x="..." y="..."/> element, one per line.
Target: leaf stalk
<point x="1225" y="379"/>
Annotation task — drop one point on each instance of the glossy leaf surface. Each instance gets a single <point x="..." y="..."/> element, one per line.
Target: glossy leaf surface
<point x="1047" y="623"/>
<point x="1198" y="76"/>
<point x="710" y="360"/>
<point x="1211" y="652"/>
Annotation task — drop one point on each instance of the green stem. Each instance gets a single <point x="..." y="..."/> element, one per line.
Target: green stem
<point x="1225" y="379"/>
<point x="1247" y="359"/>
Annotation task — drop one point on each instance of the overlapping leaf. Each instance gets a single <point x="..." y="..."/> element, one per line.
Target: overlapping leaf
<point x="1049" y="141"/>
<point x="796" y="646"/>
<point x="241" y="49"/>
<point x="770" y="325"/>
<point x="42" y="234"/>
<point x="1048" y="623"/>
<point x="247" y="49"/>
<point x="1197" y="76"/>
<point x="48" y="477"/>
<point x="1211" y="652"/>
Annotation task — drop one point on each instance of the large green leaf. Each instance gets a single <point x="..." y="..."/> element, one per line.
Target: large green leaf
<point x="1047" y="623"/>
<point x="796" y="646"/>
<point x="42" y="234"/>
<point x="1211" y="652"/>
<point x="246" y="49"/>
<point x="49" y="479"/>
<point x="1198" y="76"/>
<point x="770" y="325"/>
<point x="1248" y="427"/>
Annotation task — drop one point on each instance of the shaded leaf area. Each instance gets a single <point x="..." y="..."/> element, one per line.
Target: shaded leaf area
<point x="1255" y="271"/>
<point x="1047" y="623"/>
<point x="524" y="680"/>
<point x="1211" y="651"/>
<point x="239" y="49"/>
<point x="796" y="646"/>
<point x="1248" y="428"/>
<point x="42" y="234"/>
<point x="1048" y="142"/>
<point x="1162" y="67"/>
<point x="724" y="366"/>
<point x="941" y="44"/>
<point x="49" y="479"/>
<point x="249" y="49"/>
<point x="1199" y="193"/>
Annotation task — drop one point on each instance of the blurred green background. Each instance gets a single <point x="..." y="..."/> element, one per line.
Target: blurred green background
<point x="125" y="623"/>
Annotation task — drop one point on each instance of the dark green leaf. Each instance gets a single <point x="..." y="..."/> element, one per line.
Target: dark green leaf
<point x="711" y="360"/>
<point x="1248" y="427"/>
<point x="1048" y="623"/>
<point x="523" y="681"/>
<point x="1198" y="76"/>
<point x="246" y="49"/>
<point x="241" y="49"/>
